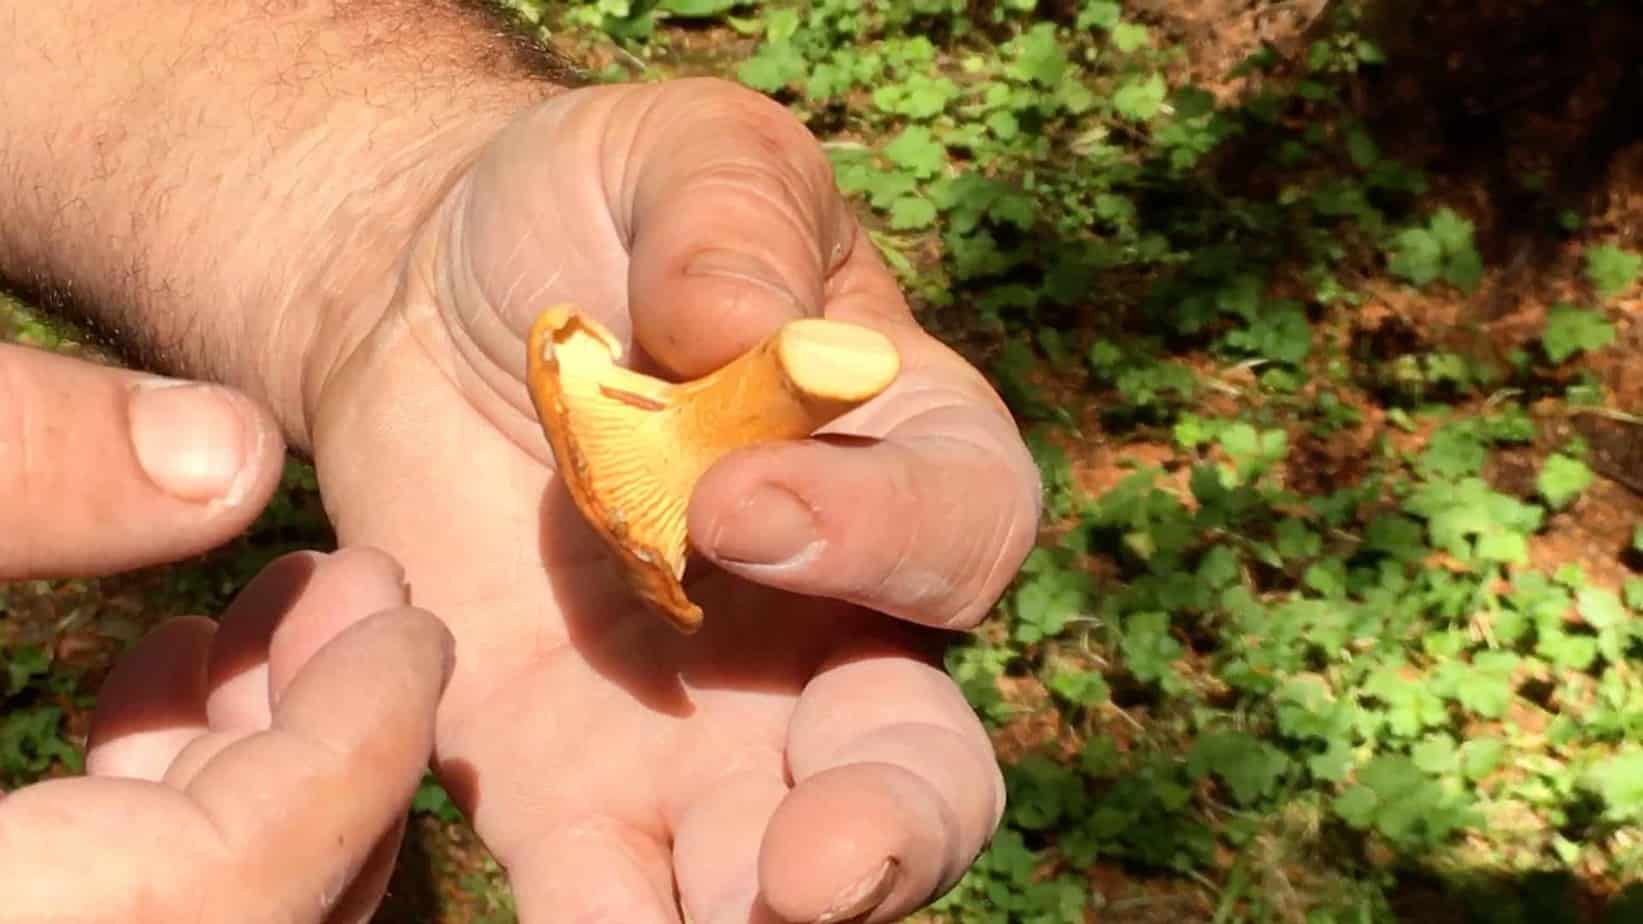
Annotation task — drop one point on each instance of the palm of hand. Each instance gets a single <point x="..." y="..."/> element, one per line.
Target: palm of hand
<point x="799" y="756"/>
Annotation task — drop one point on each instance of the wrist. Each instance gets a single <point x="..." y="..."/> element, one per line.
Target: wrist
<point x="355" y="248"/>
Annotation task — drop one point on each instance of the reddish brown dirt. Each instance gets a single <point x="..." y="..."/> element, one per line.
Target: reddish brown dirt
<point x="1219" y="34"/>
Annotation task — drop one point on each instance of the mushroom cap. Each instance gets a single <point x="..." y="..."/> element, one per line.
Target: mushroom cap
<point x="630" y="448"/>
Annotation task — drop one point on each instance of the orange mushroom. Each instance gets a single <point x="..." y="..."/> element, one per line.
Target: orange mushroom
<point x="631" y="447"/>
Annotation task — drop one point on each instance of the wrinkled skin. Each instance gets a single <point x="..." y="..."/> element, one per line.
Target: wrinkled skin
<point x="803" y="757"/>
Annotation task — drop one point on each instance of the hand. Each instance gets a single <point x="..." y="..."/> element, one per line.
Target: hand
<point x="256" y="770"/>
<point x="803" y="757"/>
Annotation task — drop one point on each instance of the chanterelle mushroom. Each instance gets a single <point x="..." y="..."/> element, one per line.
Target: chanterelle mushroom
<point x="631" y="447"/>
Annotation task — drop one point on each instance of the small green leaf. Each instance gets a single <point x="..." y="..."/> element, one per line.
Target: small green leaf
<point x="1333" y="765"/>
<point x="698" y="9"/>
<point x="1100" y="14"/>
<point x="1619" y="781"/>
<point x="1148" y="647"/>
<point x="1250" y="767"/>
<point x="917" y="150"/>
<point x="1360" y="146"/>
<point x="1296" y="540"/>
<point x="1086" y="688"/>
<point x="781" y="24"/>
<point x="431" y="799"/>
<point x="1570" y="330"/>
<point x="1040" y="57"/>
<point x="1464" y="269"/>
<point x="1566" y="650"/>
<point x="1130" y="37"/>
<point x="1480" y="756"/>
<point x="1562" y="479"/>
<point x="1049" y="597"/>
<point x="24" y="663"/>
<point x="1436" y="754"/>
<point x="1443" y="249"/>
<point x="772" y="68"/>
<point x="1357" y="806"/>
<point x="1041" y="792"/>
<point x="1140" y="98"/>
<point x="912" y="212"/>
<point x="1416" y="256"/>
<point x="1452" y="232"/>
<point x="1484" y="686"/>
<point x="1003" y="124"/>
<point x="1611" y="270"/>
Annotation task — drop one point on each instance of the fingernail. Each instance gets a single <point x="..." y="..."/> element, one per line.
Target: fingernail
<point x="192" y="440"/>
<point x="770" y="526"/>
<point x="732" y="264"/>
<point x="867" y="893"/>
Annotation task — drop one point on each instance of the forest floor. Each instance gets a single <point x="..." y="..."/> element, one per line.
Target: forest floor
<point x="1326" y="332"/>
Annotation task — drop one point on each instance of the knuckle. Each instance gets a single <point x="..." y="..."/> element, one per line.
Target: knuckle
<point x="994" y="556"/>
<point x="738" y="100"/>
<point x="761" y="124"/>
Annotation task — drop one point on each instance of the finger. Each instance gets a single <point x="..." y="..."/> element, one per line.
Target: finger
<point x="335" y="772"/>
<point x="716" y="849"/>
<point x="237" y="672"/>
<point x="286" y="613"/>
<point x="45" y="830"/>
<point x="593" y="870"/>
<point x="896" y="791"/>
<point x="278" y="822"/>
<point x="364" y="895"/>
<point x="735" y="218"/>
<point x="929" y="523"/>
<point x="153" y="702"/>
<point x="927" y="517"/>
<point x="105" y="469"/>
<point x="350" y="582"/>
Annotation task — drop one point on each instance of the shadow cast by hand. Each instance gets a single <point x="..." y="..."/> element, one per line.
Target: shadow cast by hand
<point x="752" y="639"/>
<point x="610" y="630"/>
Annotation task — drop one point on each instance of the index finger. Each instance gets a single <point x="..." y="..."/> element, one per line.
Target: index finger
<point x="349" y="740"/>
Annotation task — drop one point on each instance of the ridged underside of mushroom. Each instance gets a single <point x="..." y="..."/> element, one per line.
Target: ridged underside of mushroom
<point x="611" y="434"/>
<point x="630" y="463"/>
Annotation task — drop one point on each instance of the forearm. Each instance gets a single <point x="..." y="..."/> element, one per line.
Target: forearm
<point x="224" y="187"/>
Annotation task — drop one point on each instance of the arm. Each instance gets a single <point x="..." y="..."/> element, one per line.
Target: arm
<point x="224" y="189"/>
<point x="329" y="213"/>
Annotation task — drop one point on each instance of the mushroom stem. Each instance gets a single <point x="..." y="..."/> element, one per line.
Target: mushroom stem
<point x="630" y="447"/>
<point x="798" y="380"/>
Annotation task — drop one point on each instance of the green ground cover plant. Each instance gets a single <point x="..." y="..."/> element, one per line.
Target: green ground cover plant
<point x="1335" y="616"/>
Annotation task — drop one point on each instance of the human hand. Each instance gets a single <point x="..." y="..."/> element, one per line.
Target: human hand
<point x="802" y="757"/>
<point x="256" y="770"/>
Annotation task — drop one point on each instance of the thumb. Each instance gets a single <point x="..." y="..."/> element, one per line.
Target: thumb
<point x="736" y="222"/>
<point x="923" y="504"/>
<point x="104" y="469"/>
